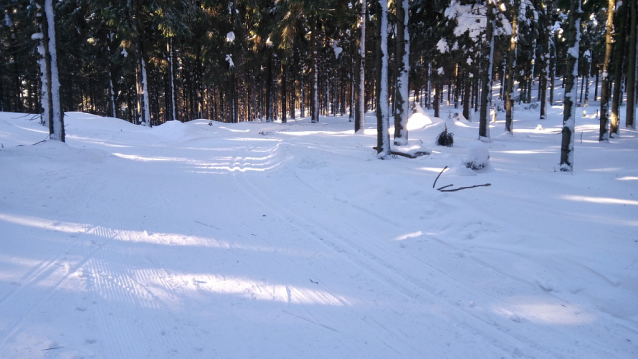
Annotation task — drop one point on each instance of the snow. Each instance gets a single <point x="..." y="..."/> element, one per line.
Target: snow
<point x="442" y="46"/>
<point x="229" y="59"/>
<point x="477" y="156"/>
<point x="230" y="37"/>
<point x="293" y="241"/>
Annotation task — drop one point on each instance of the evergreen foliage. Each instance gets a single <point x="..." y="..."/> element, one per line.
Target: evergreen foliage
<point x="151" y="61"/>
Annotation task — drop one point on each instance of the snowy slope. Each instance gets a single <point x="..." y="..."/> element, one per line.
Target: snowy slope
<point x="293" y="241"/>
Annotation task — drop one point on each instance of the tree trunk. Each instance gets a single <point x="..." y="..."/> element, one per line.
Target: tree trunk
<point x="283" y="93"/>
<point x="466" y="95"/>
<point x="596" y="86"/>
<point x="402" y="101"/>
<point x="314" y="106"/>
<point x="171" y="71"/>
<point x="542" y="85"/>
<point x="604" y="90"/>
<point x="293" y="94"/>
<point x="631" y="70"/>
<point x="56" y="114"/>
<point x="383" y="138"/>
<point x="269" y="89"/>
<point x="359" y="119"/>
<point x="511" y="66"/>
<point x="618" y="70"/>
<point x="587" y="82"/>
<point x="302" y="98"/>
<point x="552" y="65"/>
<point x="53" y="115"/>
<point x="486" y="95"/>
<point x="437" y="96"/>
<point x="569" y="112"/>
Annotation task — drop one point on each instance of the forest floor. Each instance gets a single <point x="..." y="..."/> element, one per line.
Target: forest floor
<point x="270" y="240"/>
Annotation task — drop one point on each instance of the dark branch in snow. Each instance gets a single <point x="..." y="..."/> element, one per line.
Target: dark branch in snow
<point x="437" y="177"/>
<point x="444" y="188"/>
<point x="460" y="188"/>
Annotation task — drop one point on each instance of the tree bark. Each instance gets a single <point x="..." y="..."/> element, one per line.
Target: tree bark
<point x="402" y="85"/>
<point x="359" y="119"/>
<point x="53" y="115"/>
<point x="618" y="70"/>
<point x="314" y="106"/>
<point x="569" y="111"/>
<point x="269" y="88"/>
<point x="511" y="66"/>
<point x="486" y="95"/>
<point x="631" y="70"/>
<point x="284" y="117"/>
<point x="383" y="138"/>
<point x="603" y="134"/>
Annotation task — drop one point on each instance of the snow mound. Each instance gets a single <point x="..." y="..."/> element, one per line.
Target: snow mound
<point x="477" y="155"/>
<point x="418" y="120"/>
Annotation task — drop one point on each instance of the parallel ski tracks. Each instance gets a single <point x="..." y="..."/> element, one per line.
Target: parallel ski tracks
<point x="460" y="305"/>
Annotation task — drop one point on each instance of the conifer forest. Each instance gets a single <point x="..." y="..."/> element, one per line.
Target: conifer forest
<point x="151" y="61"/>
<point x="318" y="179"/>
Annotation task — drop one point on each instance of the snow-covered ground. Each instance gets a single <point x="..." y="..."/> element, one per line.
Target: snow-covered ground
<point x="258" y="240"/>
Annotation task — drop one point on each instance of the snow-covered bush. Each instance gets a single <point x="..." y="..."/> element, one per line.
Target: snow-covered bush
<point x="477" y="155"/>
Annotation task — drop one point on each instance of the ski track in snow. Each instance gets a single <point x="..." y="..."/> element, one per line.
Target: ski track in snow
<point x="440" y="258"/>
<point x="261" y="245"/>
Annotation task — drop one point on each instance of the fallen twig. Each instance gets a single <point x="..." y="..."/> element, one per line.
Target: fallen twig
<point x="437" y="177"/>
<point x="460" y="188"/>
<point x="443" y="189"/>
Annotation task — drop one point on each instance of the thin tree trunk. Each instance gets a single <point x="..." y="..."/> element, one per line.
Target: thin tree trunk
<point x="486" y="95"/>
<point x="269" y="89"/>
<point x="293" y="94"/>
<point x="587" y="82"/>
<point x="402" y="102"/>
<point x="596" y="84"/>
<point x="302" y="98"/>
<point x="631" y="71"/>
<point x="171" y="64"/>
<point x="314" y="106"/>
<point x="542" y="86"/>
<point x="383" y="138"/>
<point x="618" y="70"/>
<point x="359" y="120"/>
<point x="437" y="95"/>
<point x="284" y="118"/>
<point x="466" y="95"/>
<point x="569" y="112"/>
<point x="552" y="65"/>
<point x="511" y="66"/>
<point x="604" y="91"/>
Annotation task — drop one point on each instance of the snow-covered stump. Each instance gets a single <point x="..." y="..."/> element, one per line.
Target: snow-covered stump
<point x="477" y="157"/>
